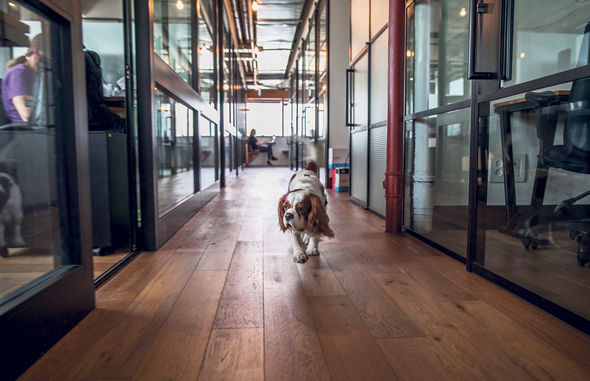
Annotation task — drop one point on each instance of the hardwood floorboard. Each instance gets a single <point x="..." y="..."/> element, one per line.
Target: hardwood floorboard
<point x="565" y="339"/>
<point x="241" y="304"/>
<point x="223" y="299"/>
<point x="318" y="279"/>
<point x="457" y="334"/>
<point x="292" y="348"/>
<point x="370" y="259"/>
<point x="234" y="354"/>
<point x="57" y="364"/>
<point x="178" y="350"/>
<point x="383" y="317"/>
<point x="219" y="253"/>
<point x="351" y="352"/>
<point x="122" y="349"/>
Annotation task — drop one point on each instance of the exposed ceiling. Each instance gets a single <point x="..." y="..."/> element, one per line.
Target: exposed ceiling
<point x="273" y="28"/>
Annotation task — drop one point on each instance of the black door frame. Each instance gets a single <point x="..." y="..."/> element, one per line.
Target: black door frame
<point x="36" y="316"/>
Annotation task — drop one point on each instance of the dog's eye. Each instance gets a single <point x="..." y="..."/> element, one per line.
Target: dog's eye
<point x="285" y="207"/>
<point x="299" y="209"/>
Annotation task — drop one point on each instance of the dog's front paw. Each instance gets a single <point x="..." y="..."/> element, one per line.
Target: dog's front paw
<point x="312" y="251"/>
<point x="299" y="257"/>
<point x="305" y="239"/>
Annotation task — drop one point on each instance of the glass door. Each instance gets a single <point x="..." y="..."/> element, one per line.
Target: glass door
<point x="45" y="252"/>
<point x="531" y="151"/>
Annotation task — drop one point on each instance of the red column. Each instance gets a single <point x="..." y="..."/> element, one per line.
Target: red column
<point x="394" y="175"/>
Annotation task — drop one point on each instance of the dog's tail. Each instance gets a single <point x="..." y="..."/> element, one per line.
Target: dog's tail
<point x="310" y="153"/>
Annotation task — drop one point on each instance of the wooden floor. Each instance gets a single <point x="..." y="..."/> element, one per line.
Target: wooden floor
<point x="222" y="300"/>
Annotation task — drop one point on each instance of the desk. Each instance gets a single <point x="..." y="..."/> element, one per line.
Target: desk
<point x="116" y="105"/>
<point x="505" y="109"/>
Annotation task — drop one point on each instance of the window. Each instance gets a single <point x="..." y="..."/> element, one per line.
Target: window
<point x="268" y="118"/>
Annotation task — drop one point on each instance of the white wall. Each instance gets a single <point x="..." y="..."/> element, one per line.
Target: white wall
<point x="338" y="61"/>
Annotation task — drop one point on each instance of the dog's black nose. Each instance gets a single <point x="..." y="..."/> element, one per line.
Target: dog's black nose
<point x="289" y="216"/>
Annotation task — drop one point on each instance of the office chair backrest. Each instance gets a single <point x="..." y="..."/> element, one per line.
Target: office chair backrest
<point x="576" y="134"/>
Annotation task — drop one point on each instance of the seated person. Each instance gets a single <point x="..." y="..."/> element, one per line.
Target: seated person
<point x="263" y="146"/>
<point x="17" y="84"/>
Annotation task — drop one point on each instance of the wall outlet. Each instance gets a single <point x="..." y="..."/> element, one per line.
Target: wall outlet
<point x="496" y="169"/>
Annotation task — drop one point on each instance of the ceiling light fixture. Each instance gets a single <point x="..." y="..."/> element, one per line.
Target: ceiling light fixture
<point x="225" y="86"/>
<point x="180" y="5"/>
<point x="254" y="6"/>
<point x="463" y="12"/>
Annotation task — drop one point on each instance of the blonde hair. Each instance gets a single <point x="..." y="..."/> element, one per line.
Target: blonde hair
<point x="35" y="44"/>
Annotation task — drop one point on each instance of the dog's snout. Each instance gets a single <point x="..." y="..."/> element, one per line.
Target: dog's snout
<point x="289" y="216"/>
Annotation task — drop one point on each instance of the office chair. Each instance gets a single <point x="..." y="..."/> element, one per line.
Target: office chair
<point x="572" y="156"/>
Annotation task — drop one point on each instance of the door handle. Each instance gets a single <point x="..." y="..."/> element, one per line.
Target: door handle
<point x="475" y="9"/>
<point x="349" y="97"/>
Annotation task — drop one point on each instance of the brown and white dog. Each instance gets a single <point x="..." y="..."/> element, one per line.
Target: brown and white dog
<point x="302" y="212"/>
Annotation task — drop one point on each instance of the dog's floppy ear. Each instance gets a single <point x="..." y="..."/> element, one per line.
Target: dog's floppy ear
<point x="282" y="212"/>
<point x="318" y="220"/>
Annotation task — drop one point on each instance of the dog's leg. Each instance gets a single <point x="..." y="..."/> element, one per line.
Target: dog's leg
<point x="2" y="242"/>
<point x="312" y="247"/>
<point x="17" y="238"/>
<point x="298" y="250"/>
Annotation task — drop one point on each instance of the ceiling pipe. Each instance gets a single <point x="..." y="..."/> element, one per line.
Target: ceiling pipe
<point x="303" y="26"/>
<point x="237" y="6"/>
<point x="234" y="33"/>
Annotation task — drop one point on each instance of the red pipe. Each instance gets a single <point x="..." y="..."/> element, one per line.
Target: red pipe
<point x="394" y="174"/>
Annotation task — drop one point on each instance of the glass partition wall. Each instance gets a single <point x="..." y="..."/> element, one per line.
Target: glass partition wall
<point x="108" y="37"/>
<point x="307" y="94"/>
<point x="46" y="283"/>
<point x="438" y="123"/>
<point x="497" y="149"/>
<point x="366" y="113"/>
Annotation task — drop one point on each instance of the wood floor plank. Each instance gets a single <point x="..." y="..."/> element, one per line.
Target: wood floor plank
<point x="140" y="272"/>
<point x="351" y="352"/>
<point x="381" y="314"/>
<point x="564" y="338"/>
<point x="201" y="237"/>
<point x="241" y="304"/>
<point x="292" y="349"/>
<point x="219" y="253"/>
<point x="535" y="358"/>
<point x="448" y="345"/>
<point x="58" y="362"/>
<point x="423" y="358"/>
<point x="318" y="279"/>
<point x="122" y="349"/>
<point x="373" y="261"/>
<point x="234" y="354"/>
<point x="178" y="350"/>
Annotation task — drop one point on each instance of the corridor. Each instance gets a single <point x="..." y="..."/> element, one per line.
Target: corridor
<point x="222" y="299"/>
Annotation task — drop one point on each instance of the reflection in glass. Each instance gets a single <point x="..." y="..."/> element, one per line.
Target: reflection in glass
<point x="548" y="38"/>
<point x="30" y="182"/>
<point x="436" y="54"/>
<point x="172" y="35"/>
<point x="536" y="215"/>
<point x="174" y="134"/>
<point x="206" y="53"/>
<point x="437" y="173"/>
<point x="322" y="73"/>
<point x="228" y="153"/>
<point x="208" y="156"/>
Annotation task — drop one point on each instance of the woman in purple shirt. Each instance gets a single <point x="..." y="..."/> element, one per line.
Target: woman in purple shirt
<point x="17" y="84"/>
